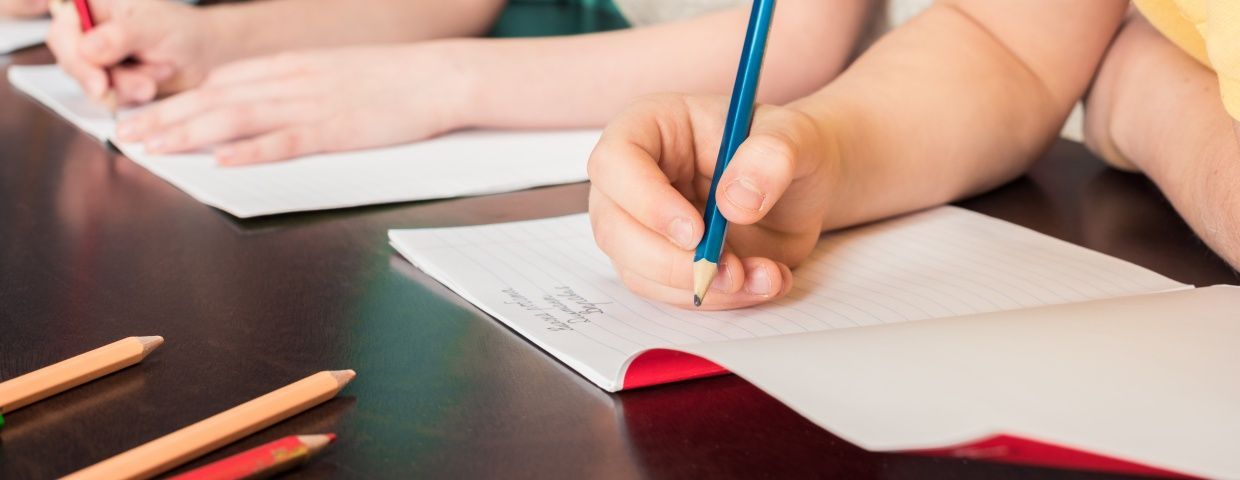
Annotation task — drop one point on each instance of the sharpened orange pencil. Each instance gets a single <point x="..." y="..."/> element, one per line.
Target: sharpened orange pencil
<point x="176" y="448"/>
<point x="53" y="379"/>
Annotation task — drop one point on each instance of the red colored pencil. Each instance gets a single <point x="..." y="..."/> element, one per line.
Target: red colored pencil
<point x="264" y="460"/>
<point x="87" y="20"/>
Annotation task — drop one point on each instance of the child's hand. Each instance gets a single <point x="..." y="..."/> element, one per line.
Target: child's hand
<point x="168" y="42"/>
<point x="275" y="108"/>
<point x="22" y="8"/>
<point x="651" y="172"/>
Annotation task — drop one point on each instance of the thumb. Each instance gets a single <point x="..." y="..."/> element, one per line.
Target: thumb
<point x="762" y="168"/>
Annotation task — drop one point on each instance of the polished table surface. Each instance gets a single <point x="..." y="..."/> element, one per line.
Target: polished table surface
<point x="94" y="249"/>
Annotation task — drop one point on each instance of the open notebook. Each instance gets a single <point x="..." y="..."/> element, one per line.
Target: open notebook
<point x="460" y="164"/>
<point x="18" y="34"/>
<point x="943" y="331"/>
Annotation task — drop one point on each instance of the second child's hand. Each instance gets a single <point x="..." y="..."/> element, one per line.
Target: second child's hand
<point x="267" y="109"/>
<point x="149" y="47"/>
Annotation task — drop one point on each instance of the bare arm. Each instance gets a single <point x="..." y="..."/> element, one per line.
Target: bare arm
<point x="1155" y="109"/>
<point x="960" y="99"/>
<point x="963" y="97"/>
<point x="174" y="45"/>
<point x="269" y="26"/>
<point x="22" y="8"/>
<point x="416" y="90"/>
<point x="586" y="79"/>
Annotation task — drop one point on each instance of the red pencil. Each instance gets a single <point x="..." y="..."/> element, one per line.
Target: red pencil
<point x="87" y="20"/>
<point x="262" y="461"/>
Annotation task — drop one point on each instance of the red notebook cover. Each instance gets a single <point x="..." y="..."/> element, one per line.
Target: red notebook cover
<point x="659" y="366"/>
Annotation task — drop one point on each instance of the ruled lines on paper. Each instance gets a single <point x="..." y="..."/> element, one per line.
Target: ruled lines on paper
<point x="547" y="280"/>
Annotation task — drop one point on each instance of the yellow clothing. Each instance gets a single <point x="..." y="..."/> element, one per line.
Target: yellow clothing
<point x="1209" y="30"/>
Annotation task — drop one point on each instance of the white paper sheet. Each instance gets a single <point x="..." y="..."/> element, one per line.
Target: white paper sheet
<point x="1153" y="379"/>
<point x="460" y="164"/>
<point x="18" y="34"/>
<point x="547" y="280"/>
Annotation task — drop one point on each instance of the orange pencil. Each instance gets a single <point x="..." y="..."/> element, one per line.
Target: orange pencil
<point x="176" y="448"/>
<point x="53" y="379"/>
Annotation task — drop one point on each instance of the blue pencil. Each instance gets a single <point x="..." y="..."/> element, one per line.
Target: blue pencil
<point x="740" y="116"/>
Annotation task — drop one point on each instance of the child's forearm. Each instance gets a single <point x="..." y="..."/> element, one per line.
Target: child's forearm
<point x="586" y="79"/>
<point x="270" y="26"/>
<point x="959" y="100"/>
<point x="1156" y="107"/>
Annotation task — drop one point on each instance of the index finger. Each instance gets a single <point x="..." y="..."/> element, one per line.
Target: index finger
<point x="62" y="39"/>
<point x="629" y="165"/>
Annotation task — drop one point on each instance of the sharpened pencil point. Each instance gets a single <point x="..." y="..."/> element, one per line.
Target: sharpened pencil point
<point x="111" y="103"/>
<point x="703" y="274"/>
<point x="150" y="343"/>
<point x="316" y="442"/>
<point x="343" y="377"/>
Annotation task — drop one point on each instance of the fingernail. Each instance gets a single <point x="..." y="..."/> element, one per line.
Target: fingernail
<point x="759" y="282"/>
<point x="681" y="232"/>
<point x="225" y="155"/>
<point x="126" y="131"/>
<point x="722" y="280"/>
<point x="743" y="194"/>
<point x="98" y="87"/>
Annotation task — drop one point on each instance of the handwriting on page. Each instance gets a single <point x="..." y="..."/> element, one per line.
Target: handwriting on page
<point x="560" y="310"/>
<point x="548" y="276"/>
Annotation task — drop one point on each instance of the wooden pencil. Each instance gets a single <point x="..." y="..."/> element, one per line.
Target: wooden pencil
<point x="176" y="448"/>
<point x="53" y="379"/>
<point x="263" y="461"/>
<point x="735" y="131"/>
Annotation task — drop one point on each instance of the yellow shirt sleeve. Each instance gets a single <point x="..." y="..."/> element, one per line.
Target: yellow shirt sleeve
<point x="1223" y="43"/>
<point x="1209" y="30"/>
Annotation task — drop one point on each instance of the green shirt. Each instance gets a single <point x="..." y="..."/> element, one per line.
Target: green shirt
<point x="539" y="18"/>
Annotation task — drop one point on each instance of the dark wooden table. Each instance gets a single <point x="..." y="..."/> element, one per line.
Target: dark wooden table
<point x="94" y="248"/>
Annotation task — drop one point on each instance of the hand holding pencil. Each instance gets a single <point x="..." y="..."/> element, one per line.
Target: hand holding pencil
<point x="650" y="176"/>
<point x="134" y="49"/>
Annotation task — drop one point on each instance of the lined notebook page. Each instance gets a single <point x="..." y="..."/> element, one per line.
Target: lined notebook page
<point x="460" y="164"/>
<point x="17" y="34"/>
<point x="547" y="280"/>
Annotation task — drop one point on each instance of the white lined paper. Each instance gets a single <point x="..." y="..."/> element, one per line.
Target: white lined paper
<point x="939" y="263"/>
<point x="459" y="164"/>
